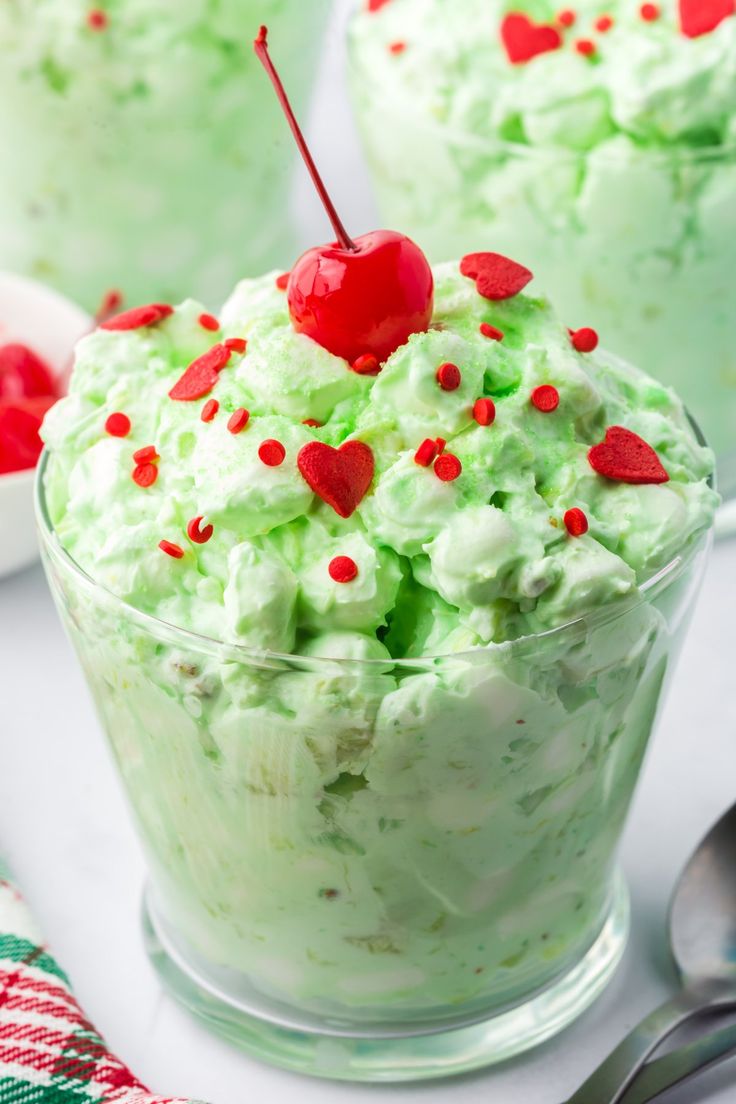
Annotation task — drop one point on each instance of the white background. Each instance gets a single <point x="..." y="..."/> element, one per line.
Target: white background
<point x="65" y="830"/>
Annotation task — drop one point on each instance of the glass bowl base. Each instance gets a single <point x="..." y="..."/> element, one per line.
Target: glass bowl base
<point x="321" y="1052"/>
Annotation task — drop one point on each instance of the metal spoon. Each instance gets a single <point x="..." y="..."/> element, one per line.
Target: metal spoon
<point x="702" y="932"/>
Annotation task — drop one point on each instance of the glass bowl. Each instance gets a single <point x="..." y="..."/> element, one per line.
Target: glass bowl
<point x="636" y="241"/>
<point x="378" y="870"/>
<point x="148" y="155"/>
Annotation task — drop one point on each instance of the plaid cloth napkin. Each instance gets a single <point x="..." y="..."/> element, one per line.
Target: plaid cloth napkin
<point x="49" y="1051"/>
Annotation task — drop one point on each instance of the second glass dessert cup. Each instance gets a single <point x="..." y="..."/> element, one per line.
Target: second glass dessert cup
<point x="381" y="870"/>
<point x="636" y="241"/>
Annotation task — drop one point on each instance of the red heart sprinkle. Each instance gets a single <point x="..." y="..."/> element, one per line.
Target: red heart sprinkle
<point x="496" y="277"/>
<point x="201" y="375"/>
<point x="524" y="39"/>
<point x="625" y="457"/>
<point x="699" y="17"/>
<point x="195" y="532"/>
<point x="343" y="569"/>
<point x="138" y="317"/>
<point x="118" y="425"/>
<point x="576" y="522"/>
<point x="341" y="477"/>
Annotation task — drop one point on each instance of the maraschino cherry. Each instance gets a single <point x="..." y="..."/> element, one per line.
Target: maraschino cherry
<point x="354" y="297"/>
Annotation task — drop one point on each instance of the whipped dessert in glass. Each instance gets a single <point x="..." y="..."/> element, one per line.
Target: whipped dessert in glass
<point x="376" y="578"/>
<point x="597" y="144"/>
<point x="138" y="146"/>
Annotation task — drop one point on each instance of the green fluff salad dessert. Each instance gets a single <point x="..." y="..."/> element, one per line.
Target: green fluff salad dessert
<point x="366" y="592"/>
<point x="595" y="142"/>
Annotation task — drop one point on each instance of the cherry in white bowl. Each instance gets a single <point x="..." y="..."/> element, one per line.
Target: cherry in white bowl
<point x="49" y="325"/>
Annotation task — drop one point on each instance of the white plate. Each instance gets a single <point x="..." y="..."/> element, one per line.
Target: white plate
<point x="51" y="325"/>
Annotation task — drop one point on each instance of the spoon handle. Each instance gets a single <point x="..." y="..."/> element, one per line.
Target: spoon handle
<point x="680" y="1065"/>
<point x="610" y="1081"/>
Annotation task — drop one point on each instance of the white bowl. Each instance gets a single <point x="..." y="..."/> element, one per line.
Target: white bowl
<point x="51" y="325"/>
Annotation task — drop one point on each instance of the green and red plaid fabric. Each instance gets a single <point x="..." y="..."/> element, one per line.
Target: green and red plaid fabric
<point x="49" y="1051"/>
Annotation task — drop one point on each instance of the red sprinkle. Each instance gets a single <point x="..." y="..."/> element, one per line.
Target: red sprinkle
<point x="172" y="550"/>
<point x="196" y="534"/>
<point x="441" y="443"/>
<point x="523" y="40"/>
<point x="272" y="453"/>
<point x="447" y="467"/>
<point x="366" y="365"/>
<point x="491" y="332"/>
<point x="312" y="422"/>
<point x="496" y="277"/>
<point x="566" y="18"/>
<point x="449" y="377"/>
<point x="426" y="453"/>
<point x="209" y="322"/>
<point x="97" y="20"/>
<point x="110" y="303"/>
<point x="546" y="398"/>
<point x="201" y="375"/>
<point x="650" y="12"/>
<point x="625" y="457"/>
<point x="484" y="411"/>
<point x="118" y="425"/>
<point x="209" y="410"/>
<point x="146" y="455"/>
<point x="576" y="522"/>
<point x="343" y="569"/>
<point x="138" y="317"/>
<point x="238" y="420"/>
<point x="584" y="340"/>
<point x="397" y="47"/>
<point x="282" y="281"/>
<point x="376" y="5"/>
<point x="235" y="344"/>
<point x="604" y="23"/>
<point x="585" y="46"/>
<point x="145" y="475"/>
<point x="699" y="17"/>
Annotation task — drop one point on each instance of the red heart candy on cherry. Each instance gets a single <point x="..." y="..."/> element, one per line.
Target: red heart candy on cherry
<point x="496" y="277"/>
<point x="340" y="476"/>
<point x="699" y="17"/>
<point x="523" y="39"/>
<point x="365" y="300"/>
<point x="23" y="374"/>
<point x="20" y="421"/>
<point x="625" y="457"/>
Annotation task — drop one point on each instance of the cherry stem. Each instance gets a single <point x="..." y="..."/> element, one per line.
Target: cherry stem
<point x="260" y="46"/>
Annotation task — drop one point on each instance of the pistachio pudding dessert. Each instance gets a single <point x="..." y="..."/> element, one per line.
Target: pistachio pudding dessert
<point x="138" y="145"/>
<point x="376" y="578"/>
<point x="596" y="143"/>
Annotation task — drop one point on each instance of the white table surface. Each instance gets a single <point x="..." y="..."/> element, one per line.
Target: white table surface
<point x="65" y="830"/>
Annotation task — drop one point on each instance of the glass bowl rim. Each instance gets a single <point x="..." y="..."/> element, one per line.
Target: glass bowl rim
<point x="651" y="154"/>
<point x="658" y="582"/>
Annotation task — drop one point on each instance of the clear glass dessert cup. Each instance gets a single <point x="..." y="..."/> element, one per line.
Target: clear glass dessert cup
<point x="381" y="870"/>
<point x="148" y="154"/>
<point x="636" y="241"/>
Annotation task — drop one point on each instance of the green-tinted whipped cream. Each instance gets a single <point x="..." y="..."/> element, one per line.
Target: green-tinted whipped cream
<point x="442" y="565"/>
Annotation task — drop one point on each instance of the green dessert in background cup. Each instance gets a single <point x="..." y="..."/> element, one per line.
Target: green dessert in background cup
<point x="138" y="147"/>
<point x="380" y="764"/>
<point x="597" y="145"/>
